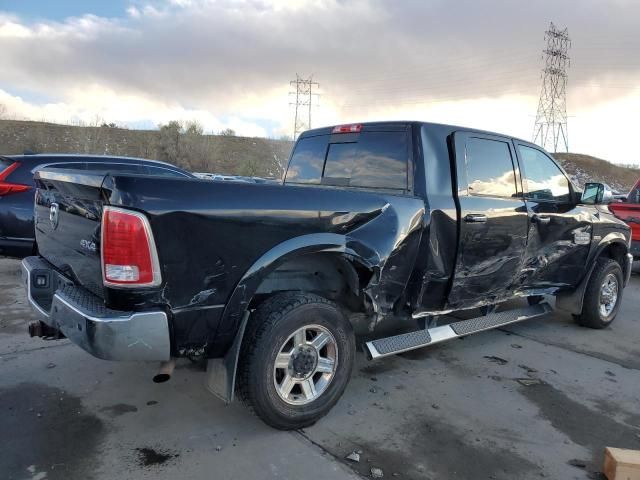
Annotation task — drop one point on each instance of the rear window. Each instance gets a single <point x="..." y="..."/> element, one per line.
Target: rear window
<point x="375" y="160"/>
<point x="4" y="163"/>
<point x="307" y="160"/>
<point x="366" y="160"/>
<point x="21" y="175"/>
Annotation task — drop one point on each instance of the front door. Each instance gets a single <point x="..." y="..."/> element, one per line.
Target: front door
<point x="560" y="230"/>
<point x="493" y="220"/>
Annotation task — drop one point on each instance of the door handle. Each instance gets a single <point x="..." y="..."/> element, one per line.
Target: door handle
<point x="543" y="220"/>
<point x="475" y="218"/>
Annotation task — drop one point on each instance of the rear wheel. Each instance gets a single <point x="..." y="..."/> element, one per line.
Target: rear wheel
<point x="296" y="359"/>
<point x="603" y="295"/>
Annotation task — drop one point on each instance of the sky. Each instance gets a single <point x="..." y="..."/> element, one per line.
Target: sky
<point x="228" y="64"/>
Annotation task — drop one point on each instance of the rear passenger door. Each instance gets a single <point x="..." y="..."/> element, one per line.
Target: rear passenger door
<point x="493" y="220"/>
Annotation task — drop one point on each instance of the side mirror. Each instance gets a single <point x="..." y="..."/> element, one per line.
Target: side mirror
<point x="596" y="194"/>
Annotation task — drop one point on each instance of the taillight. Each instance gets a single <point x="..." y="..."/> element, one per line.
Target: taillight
<point x="7" y="188"/>
<point x="347" y="128"/>
<point x="129" y="256"/>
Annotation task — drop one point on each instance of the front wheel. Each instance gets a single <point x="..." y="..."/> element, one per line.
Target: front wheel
<point x="603" y="295"/>
<point x="296" y="359"/>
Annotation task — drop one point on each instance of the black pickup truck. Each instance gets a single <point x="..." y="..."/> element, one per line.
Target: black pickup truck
<point x="377" y="232"/>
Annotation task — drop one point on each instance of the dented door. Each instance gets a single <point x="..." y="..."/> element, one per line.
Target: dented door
<point x="560" y="230"/>
<point x="493" y="220"/>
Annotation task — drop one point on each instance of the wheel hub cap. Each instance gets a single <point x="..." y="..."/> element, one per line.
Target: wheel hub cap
<point x="304" y="361"/>
<point x="305" y="365"/>
<point x="608" y="295"/>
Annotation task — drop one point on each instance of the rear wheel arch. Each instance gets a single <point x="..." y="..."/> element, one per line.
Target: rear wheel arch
<point x="244" y="297"/>
<point x="333" y="276"/>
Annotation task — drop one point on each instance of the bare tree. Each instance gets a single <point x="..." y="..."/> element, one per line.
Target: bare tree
<point x="250" y="167"/>
<point x="276" y="167"/>
<point x="169" y="141"/>
<point x="228" y="132"/>
<point x="3" y="110"/>
<point x="194" y="128"/>
<point x="194" y="147"/>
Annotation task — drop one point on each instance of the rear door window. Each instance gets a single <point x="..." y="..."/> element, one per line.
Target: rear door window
<point x="117" y="168"/>
<point x="490" y="169"/>
<point x="373" y="160"/>
<point x="164" y="172"/>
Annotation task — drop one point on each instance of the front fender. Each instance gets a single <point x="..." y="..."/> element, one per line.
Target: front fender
<point x="572" y="301"/>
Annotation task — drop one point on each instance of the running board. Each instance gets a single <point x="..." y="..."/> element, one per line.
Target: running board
<point x="383" y="347"/>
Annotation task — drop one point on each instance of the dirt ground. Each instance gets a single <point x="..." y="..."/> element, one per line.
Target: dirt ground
<point x="539" y="399"/>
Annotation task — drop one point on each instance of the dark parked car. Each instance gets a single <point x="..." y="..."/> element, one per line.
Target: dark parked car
<point x="17" y="189"/>
<point x="379" y="229"/>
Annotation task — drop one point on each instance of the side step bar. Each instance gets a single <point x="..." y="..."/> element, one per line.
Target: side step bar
<point x="383" y="347"/>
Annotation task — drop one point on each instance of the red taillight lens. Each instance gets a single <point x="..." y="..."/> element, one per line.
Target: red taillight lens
<point x="347" y="128"/>
<point x="7" y="188"/>
<point x="128" y="250"/>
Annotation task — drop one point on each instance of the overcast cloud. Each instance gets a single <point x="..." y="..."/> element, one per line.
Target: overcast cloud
<point x="229" y="63"/>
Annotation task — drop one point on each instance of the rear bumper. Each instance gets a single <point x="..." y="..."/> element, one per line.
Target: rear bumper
<point x="83" y="318"/>
<point x="16" y="247"/>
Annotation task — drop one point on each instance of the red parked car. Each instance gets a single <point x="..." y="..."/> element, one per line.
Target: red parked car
<point x="629" y="212"/>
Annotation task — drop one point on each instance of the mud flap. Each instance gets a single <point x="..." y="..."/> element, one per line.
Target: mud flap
<point x="221" y="372"/>
<point x="571" y="301"/>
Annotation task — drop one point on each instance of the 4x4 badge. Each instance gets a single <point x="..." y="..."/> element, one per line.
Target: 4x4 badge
<point x="53" y="215"/>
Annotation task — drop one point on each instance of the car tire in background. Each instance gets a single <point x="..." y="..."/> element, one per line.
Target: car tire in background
<point x="296" y="359"/>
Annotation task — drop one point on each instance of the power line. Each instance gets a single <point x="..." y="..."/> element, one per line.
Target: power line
<point x="304" y="96"/>
<point x="551" y="119"/>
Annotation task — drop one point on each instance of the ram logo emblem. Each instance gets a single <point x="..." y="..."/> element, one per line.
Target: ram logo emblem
<point x="53" y="215"/>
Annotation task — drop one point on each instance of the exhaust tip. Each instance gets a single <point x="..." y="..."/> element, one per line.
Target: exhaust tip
<point x="35" y="329"/>
<point x="161" y="378"/>
<point x="166" y="369"/>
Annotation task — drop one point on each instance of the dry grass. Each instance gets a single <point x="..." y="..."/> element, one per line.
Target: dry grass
<point x="586" y="168"/>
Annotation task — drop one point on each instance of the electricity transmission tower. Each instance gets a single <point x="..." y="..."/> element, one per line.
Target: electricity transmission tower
<point x="551" y="120"/>
<point x="304" y="101"/>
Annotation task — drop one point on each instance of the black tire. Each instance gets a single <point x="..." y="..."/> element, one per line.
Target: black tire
<point x="591" y="315"/>
<point x="274" y="321"/>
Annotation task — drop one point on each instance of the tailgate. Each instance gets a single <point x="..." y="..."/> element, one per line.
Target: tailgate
<point x="68" y="210"/>
<point x="630" y="214"/>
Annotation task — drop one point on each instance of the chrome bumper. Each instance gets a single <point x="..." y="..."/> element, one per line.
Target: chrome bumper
<point x="629" y="265"/>
<point x="83" y="318"/>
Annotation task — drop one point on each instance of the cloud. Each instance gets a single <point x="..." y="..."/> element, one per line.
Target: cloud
<point x="234" y="58"/>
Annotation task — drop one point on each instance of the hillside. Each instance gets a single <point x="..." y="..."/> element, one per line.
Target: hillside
<point x="194" y="151"/>
<point x="585" y="168"/>
<point x="225" y="154"/>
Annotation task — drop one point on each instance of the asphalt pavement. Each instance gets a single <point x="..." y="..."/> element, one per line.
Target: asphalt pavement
<point x="538" y="399"/>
